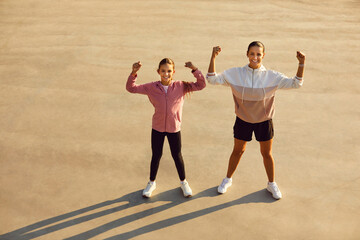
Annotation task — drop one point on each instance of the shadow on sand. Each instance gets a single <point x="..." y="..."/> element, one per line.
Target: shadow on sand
<point x="172" y="197"/>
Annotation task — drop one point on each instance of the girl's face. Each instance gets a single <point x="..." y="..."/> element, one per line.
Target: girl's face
<point x="255" y="55"/>
<point x="166" y="72"/>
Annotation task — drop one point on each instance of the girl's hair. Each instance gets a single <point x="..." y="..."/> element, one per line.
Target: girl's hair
<point x="187" y="88"/>
<point x="256" y="44"/>
<point x="187" y="85"/>
<point x="165" y="61"/>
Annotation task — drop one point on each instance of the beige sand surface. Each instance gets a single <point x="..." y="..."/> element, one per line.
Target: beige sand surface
<point x="75" y="146"/>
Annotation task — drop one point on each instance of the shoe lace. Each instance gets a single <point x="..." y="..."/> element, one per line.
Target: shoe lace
<point x="224" y="182"/>
<point x="149" y="185"/>
<point x="275" y="187"/>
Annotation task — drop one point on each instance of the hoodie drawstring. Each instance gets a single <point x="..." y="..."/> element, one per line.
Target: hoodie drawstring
<point x="262" y="85"/>
<point x="242" y="95"/>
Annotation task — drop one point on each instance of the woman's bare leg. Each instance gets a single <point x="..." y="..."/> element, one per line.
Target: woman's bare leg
<point x="266" y="148"/>
<point x="239" y="149"/>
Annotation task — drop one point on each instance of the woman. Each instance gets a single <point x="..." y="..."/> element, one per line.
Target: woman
<point x="253" y="88"/>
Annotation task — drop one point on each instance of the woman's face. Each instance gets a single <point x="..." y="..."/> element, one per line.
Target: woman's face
<point x="166" y="72"/>
<point x="255" y="55"/>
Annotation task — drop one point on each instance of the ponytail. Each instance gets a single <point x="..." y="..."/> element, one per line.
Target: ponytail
<point x="187" y="88"/>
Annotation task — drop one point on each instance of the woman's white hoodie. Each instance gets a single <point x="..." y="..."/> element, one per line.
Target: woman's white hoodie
<point x="254" y="90"/>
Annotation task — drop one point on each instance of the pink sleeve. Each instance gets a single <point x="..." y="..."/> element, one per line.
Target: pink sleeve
<point x="132" y="87"/>
<point x="200" y="81"/>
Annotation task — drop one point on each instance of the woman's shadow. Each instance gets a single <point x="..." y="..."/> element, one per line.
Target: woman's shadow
<point x="171" y="198"/>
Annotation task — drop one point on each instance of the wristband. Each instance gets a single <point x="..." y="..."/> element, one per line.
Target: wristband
<point x="298" y="78"/>
<point x="301" y="65"/>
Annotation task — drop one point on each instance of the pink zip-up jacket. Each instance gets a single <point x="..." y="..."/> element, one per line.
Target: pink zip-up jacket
<point x="168" y="106"/>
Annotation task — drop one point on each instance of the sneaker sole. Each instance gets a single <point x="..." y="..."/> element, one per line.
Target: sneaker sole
<point x="224" y="191"/>
<point x="186" y="196"/>
<point x="273" y="195"/>
<point x="220" y="192"/>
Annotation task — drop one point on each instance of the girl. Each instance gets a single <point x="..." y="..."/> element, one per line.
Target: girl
<point x="253" y="88"/>
<point x="167" y="97"/>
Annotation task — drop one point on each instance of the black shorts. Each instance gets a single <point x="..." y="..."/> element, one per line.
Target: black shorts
<point x="264" y="131"/>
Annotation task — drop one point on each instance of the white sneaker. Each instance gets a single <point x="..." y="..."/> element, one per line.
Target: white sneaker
<point x="186" y="189"/>
<point x="150" y="187"/>
<point x="226" y="182"/>
<point x="274" y="190"/>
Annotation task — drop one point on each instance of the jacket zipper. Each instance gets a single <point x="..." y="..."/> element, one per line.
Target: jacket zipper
<point x="252" y="79"/>
<point x="163" y="90"/>
<point x="165" y="109"/>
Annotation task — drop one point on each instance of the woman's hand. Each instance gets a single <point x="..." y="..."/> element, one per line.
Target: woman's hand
<point x="301" y="57"/>
<point x="190" y="65"/>
<point x="136" y="67"/>
<point x="300" y="72"/>
<point x="216" y="51"/>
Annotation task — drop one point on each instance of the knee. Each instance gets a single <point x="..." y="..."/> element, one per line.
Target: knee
<point x="156" y="155"/>
<point x="177" y="157"/>
<point x="266" y="154"/>
<point x="238" y="152"/>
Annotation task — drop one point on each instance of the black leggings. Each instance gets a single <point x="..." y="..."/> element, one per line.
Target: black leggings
<point x="157" y="143"/>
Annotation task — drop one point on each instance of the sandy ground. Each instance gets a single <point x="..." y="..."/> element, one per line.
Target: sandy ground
<point x="75" y="146"/>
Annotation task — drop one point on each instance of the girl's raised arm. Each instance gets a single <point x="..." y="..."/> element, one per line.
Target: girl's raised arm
<point x="136" y="67"/>
<point x="200" y="80"/>
<point x="131" y="86"/>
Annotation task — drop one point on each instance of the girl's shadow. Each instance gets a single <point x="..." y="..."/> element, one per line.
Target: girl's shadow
<point x="261" y="196"/>
<point x="173" y="198"/>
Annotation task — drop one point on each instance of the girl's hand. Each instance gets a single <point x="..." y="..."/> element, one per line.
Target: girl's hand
<point x="301" y="57"/>
<point x="135" y="67"/>
<point x="216" y="51"/>
<point x="190" y="65"/>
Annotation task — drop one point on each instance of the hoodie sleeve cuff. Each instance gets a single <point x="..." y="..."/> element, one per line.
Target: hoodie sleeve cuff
<point x="132" y="77"/>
